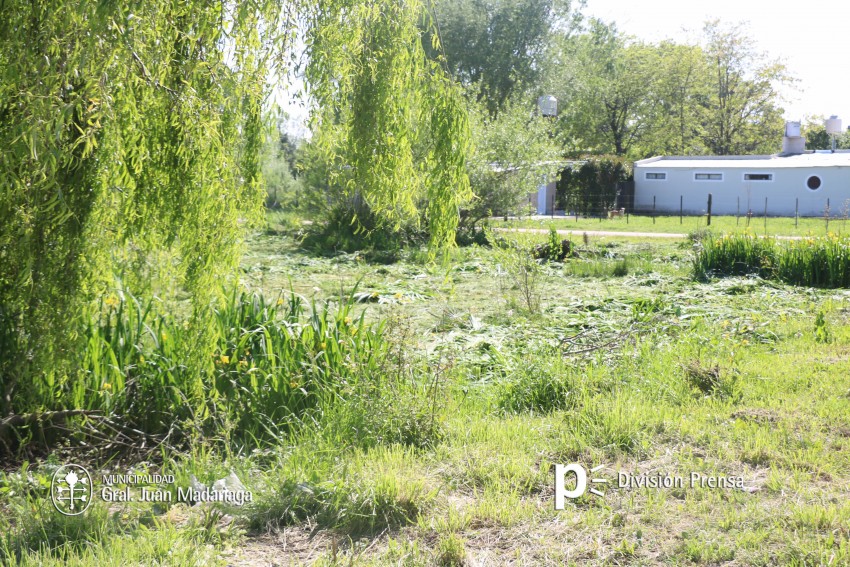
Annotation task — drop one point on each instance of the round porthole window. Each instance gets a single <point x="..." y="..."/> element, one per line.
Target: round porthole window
<point x="813" y="182"/>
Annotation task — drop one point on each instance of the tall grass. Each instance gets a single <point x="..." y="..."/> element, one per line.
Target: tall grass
<point x="817" y="262"/>
<point x="259" y="366"/>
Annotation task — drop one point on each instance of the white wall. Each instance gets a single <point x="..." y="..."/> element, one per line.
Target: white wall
<point x="788" y="184"/>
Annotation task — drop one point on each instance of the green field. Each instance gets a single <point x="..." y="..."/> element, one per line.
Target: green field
<point x="495" y="371"/>
<point x="776" y="226"/>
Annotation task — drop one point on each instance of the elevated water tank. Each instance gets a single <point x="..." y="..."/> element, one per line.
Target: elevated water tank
<point x="792" y="142"/>
<point x="833" y="126"/>
<point x="792" y="129"/>
<point x="548" y="105"/>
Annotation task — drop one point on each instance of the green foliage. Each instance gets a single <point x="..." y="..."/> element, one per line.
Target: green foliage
<point x="734" y="255"/>
<point x="388" y="121"/>
<point x="821" y="329"/>
<point x="817" y="262"/>
<point x="540" y="389"/>
<point x="513" y="151"/>
<point x="630" y="98"/>
<point x="497" y="47"/>
<point x="127" y="130"/>
<point x="267" y="365"/>
<point x="741" y="114"/>
<point x="519" y="275"/>
<point x="591" y="188"/>
<point x="282" y="188"/>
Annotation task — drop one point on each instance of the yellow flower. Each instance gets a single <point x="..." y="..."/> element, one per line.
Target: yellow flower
<point x="348" y="320"/>
<point x="141" y="359"/>
<point x="280" y="301"/>
<point x="324" y="344"/>
<point x="243" y="363"/>
<point x="164" y="336"/>
<point x="293" y="384"/>
<point x="107" y="386"/>
<point x="397" y="295"/>
<point x="111" y="301"/>
<point x="224" y="359"/>
<point x="745" y="342"/>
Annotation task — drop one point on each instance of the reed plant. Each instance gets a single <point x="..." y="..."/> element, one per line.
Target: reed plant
<point x="811" y="261"/>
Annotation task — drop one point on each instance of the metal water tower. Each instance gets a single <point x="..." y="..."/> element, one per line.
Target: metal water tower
<point x="833" y="128"/>
<point x="548" y="106"/>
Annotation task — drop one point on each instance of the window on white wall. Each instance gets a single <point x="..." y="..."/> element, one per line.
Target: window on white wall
<point x="659" y="176"/>
<point x="758" y="177"/>
<point x="708" y="176"/>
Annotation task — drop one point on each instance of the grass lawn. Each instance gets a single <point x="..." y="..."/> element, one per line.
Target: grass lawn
<point x="776" y="226"/>
<point x="495" y="374"/>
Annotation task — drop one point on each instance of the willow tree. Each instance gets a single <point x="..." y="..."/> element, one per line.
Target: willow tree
<point x="387" y="115"/>
<point x="130" y="135"/>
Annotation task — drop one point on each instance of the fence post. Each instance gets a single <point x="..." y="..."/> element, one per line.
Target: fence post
<point x="796" y="211"/>
<point x="680" y="209"/>
<point x="653" y="209"/>
<point x="709" y="210"/>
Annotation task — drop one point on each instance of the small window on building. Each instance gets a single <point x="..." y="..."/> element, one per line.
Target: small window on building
<point x="758" y="177"/>
<point x="813" y="182"/>
<point x="656" y="176"/>
<point x="708" y="176"/>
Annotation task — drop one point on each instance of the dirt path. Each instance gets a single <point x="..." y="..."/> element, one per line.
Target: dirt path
<point x="598" y="232"/>
<point x="564" y="232"/>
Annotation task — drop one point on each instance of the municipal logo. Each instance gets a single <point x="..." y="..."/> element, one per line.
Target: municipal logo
<point x="71" y="490"/>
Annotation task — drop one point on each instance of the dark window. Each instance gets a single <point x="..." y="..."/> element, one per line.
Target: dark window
<point x="813" y="182"/>
<point x="656" y="176"/>
<point x="758" y="177"/>
<point x="708" y="176"/>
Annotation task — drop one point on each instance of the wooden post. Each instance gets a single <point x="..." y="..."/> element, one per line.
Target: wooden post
<point x="709" y="210"/>
<point x="653" y="209"/>
<point x="680" y="208"/>
<point x="796" y="211"/>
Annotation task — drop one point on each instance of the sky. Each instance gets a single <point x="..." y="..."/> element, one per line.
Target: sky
<point x="811" y="38"/>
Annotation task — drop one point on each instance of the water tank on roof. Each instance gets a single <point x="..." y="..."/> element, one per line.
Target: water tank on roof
<point x="792" y="129"/>
<point x="833" y="126"/>
<point x="548" y="105"/>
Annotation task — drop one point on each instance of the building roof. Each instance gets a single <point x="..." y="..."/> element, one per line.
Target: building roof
<point x="820" y="158"/>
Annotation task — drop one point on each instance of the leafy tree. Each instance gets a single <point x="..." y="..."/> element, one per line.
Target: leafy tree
<point x="513" y="151"/>
<point x="740" y="114"/>
<point x="132" y="137"/>
<point x="497" y="45"/>
<point x="387" y="115"/>
<point x="607" y="84"/>
<point x="127" y="129"/>
<point x="680" y="87"/>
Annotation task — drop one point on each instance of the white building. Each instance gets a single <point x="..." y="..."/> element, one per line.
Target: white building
<point x="805" y="182"/>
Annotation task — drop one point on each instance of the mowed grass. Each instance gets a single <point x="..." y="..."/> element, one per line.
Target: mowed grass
<point x="772" y="226"/>
<point x="629" y="362"/>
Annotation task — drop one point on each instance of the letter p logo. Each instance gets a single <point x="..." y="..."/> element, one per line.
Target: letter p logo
<point x="580" y="473"/>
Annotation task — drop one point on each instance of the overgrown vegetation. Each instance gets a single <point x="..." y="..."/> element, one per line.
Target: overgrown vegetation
<point x="143" y="375"/>
<point x="810" y="261"/>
